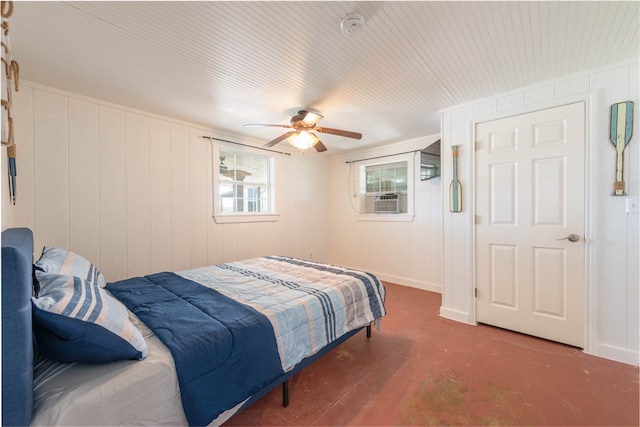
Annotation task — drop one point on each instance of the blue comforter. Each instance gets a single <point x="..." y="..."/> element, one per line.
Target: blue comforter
<point x="235" y="328"/>
<point x="209" y="336"/>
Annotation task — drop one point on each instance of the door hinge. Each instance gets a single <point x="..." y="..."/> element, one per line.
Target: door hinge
<point x="476" y="145"/>
<point x="475" y="292"/>
<point x="477" y="219"/>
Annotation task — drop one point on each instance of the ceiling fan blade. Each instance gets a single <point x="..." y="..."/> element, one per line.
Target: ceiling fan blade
<point x="345" y="133"/>
<point x="278" y="139"/>
<point x="262" y="125"/>
<point x="303" y="124"/>
<point x="319" y="146"/>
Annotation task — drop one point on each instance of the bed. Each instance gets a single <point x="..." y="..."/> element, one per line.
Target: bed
<point x="194" y="347"/>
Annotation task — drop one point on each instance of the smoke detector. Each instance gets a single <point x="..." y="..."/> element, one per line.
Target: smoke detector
<point x="352" y="24"/>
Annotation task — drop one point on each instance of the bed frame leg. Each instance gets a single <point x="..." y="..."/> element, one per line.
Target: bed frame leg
<point x="285" y="384"/>
<point x="285" y="393"/>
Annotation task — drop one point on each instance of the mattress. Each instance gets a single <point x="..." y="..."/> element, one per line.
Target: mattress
<point x="120" y="393"/>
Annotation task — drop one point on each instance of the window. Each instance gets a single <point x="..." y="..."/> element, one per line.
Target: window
<point x="386" y="178"/>
<point x="245" y="183"/>
<point x="386" y="190"/>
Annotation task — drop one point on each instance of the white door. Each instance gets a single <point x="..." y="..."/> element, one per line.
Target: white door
<point x="530" y="190"/>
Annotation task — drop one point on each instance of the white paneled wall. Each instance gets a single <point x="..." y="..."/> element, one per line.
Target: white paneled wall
<point x="612" y="235"/>
<point x="160" y="192"/>
<point x="133" y="193"/>
<point x="84" y="178"/>
<point x="138" y="199"/>
<point x="51" y="113"/>
<point x="404" y="252"/>
<point x="112" y="188"/>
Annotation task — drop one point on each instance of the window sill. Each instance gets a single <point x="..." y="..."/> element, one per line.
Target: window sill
<point x="242" y="218"/>
<point x="386" y="217"/>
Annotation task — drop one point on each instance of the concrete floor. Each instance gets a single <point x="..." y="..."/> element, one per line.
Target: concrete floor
<point x="426" y="370"/>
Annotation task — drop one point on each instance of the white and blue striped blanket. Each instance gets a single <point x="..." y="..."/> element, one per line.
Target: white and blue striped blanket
<point x="248" y="323"/>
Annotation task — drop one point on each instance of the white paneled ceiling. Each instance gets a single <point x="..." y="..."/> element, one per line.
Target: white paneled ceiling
<point x="224" y="64"/>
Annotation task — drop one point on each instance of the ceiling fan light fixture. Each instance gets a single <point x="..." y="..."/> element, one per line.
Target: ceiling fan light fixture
<point x="310" y="119"/>
<point x="303" y="140"/>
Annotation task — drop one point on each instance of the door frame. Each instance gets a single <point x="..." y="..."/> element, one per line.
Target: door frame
<point x="590" y="99"/>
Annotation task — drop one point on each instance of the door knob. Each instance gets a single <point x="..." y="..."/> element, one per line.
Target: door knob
<point x="571" y="238"/>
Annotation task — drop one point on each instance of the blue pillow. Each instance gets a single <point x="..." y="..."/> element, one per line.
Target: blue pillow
<point x="75" y="320"/>
<point x="60" y="261"/>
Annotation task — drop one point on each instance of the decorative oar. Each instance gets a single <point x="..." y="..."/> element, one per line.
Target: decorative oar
<point x="621" y="130"/>
<point x="455" y="189"/>
<point x="11" y="154"/>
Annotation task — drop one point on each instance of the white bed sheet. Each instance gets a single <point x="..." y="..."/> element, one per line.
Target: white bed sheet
<point x="144" y="392"/>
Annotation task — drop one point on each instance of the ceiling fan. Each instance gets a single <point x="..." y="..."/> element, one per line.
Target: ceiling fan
<point x="302" y="136"/>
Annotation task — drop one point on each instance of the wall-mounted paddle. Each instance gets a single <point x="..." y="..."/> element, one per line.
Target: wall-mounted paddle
<point x="621" y="130"/>
<point x="455" y="189"/>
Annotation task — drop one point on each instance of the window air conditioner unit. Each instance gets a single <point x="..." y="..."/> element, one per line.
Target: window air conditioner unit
<point x="386" y="203"/>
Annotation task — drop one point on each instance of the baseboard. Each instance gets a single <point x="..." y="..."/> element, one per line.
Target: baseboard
<point x="618" y="354"/>
<point x="458" y="316"/>
<point x="425" y="286"/>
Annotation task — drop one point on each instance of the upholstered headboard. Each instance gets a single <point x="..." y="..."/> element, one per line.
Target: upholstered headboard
<point x="17" y="341"/>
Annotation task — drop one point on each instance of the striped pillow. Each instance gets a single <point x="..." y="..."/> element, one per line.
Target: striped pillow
<point x="77" y="321"/>
<point x="60" y="261"/>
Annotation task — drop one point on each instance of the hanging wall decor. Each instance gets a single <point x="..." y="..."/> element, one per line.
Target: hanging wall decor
<point x="455" y="189"/>
<point x="621" y="130"/>
<point x="10" y="77"/>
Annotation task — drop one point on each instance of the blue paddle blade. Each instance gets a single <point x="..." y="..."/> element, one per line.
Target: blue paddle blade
<point x="12" y="178"/>
<point x="621" y="122"/>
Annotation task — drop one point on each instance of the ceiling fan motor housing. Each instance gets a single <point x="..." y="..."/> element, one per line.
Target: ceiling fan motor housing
<point x="305" y="119"/>
<point x="298" y="117"/>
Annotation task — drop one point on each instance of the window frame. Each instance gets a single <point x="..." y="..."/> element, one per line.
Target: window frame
<point x="221" y="217"/>
<point x="385" y="166"/>
<point x="410" y="159"/>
